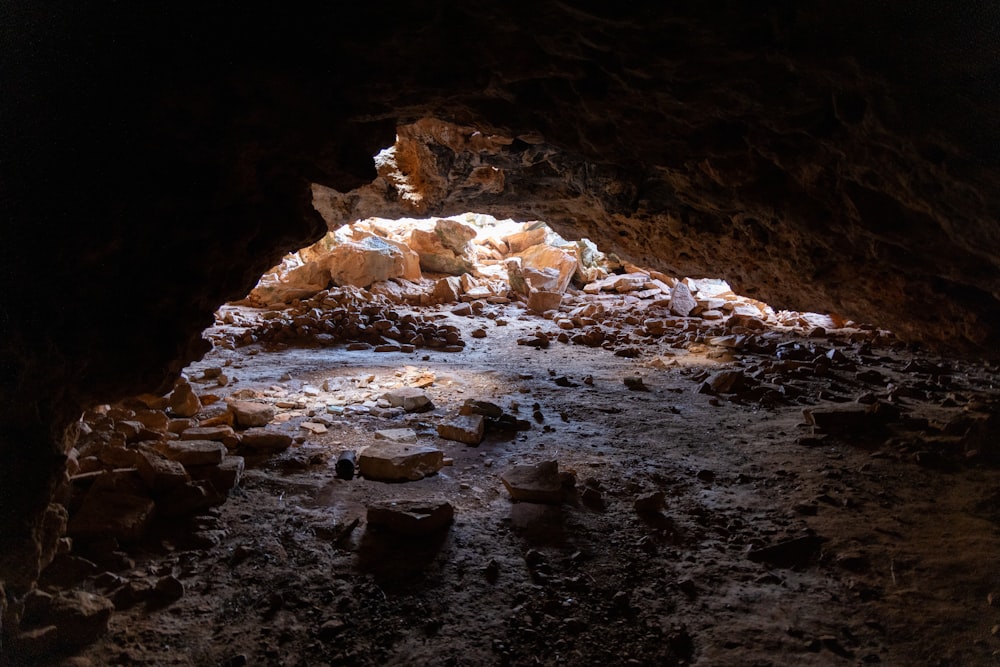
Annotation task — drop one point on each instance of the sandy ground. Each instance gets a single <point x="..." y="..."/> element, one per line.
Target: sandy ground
<point x="903" y="574"/>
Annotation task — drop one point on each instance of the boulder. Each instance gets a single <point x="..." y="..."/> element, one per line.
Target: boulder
<point x="80" y="617"/>
<point x="464" y="428"/>
<point x="251" y="413"/>
<point x="410" y="399"/>
<point x="192" y="452"/>
<point x="436" y="257"/>
<point x="412" y="517"/>
<point x="521" y="241"/>
<point x="541" y="257"/>
<point x="447" y="290"/>
<point x="183" y="401"/>
<point x="455" y="236"/>
<point x="393" y="461"/>
<point x="370" y="260"/>
<point x="540" y="302"/>
<point x="159" y="473"/>
<point x="225" y="476"/>
<point x="218" y="433"/>
<point x="540" y="483"/>
<point x="265" y="441"/>
<point x="682" y="302"/>
<point x="189" y="498"/>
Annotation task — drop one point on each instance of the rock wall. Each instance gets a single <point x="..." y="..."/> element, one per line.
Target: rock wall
<point x="157" y="160"/>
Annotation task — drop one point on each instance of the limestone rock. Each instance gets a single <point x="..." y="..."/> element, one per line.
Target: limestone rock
<point x="412" y="517"/>
<point x="520" y="241"/>
<point x="447" y="290"/>
<point x="464" y="428"/>
<point x="183" y="401"/>
<point x="392" y="461"/>
<point x="107" y="514"/>
<point x="251" y="413"/>
<point x="682" y="302"/>
<point x="80" y="617"/>
<point x="410" y="399"/>
<point x="455" y="235"/>
<point x="543" y="301"/>
<point x="225" y="476"/>
<point x="541" y="257"/>
<point x="159" y="473"/>
<point x="364" y="262"/>
<point x="540" y="483"/>
<point x="265" y="440"/>
<point x="192" y="452"/>
<point x="436" y="257"/>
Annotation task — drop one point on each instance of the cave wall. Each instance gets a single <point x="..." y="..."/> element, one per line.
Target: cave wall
<point x="155" y="160"/>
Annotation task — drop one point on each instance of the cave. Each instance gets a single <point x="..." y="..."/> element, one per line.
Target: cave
<point x="839" y="159"/>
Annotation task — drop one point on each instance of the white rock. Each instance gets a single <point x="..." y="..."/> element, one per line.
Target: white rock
<point x="393" y="461"/>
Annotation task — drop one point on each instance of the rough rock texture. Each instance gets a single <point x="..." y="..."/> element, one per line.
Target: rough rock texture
<point x="838" y="156"/>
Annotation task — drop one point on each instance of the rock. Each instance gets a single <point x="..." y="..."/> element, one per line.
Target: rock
<point x="314" y="427"/>
<point x="454" y="235"/>
<point x="80" y="617"/>
<point x="728" y="382"/>
<point x="520" y="241"/>
<point x="412" y="517"/>
<point x="485" y="408"/>
<point x="542" y="257"/>
<point x="169" y="588"/>
<point x="159" y="473"/>
<point x="540" y="483"/>
<point x="792" y="553"/>
<point x="682" y="302"/>
<point x="108" y="514"/>
<point x="361" y="263"/>
<point x="183" y="401"/>
<point x="263" y="440"/>
<point x="392" y="461"/>
<point x="447" y="290"/>
<point x="436" y="257"/>
<point x="410" y="399"/>
<point x="155" y="420"/>
<point x="540" y="302"/>
<point x="650" y="502"/>
<point x="250" y="413"/>
<point x="192" y="452"/>
<point x="225" y="476"/>
<point x="331" y="629"/>
<point x="403" y="435"/>
<point x="464" y="428"/>
<point x="219" y="433"/>
<point x="635" y="383"/>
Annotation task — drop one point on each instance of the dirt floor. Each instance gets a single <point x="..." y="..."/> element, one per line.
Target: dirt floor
<point x="887" y="532"/>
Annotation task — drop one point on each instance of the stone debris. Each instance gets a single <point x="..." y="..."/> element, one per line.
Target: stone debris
<point x="463" y="428"/>
<point x="192" y="452"/>
<point x="314" y="427"/>
<point x="392" y="461"/>
<point x="251" y="413"/>
<point x="412" y="517"/>
<point x="410" y="399"/>
<point x="541" y="301"/>
<point x="121" y="516"/>
<point x="264" y="440"/>
<point x="183" y="401"/>
<point x="653" y="501"/>
<point x="539" y="483"/>
<point x="160" y="473"/>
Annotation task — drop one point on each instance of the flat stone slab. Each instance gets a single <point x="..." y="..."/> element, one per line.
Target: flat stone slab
<point x="540" y="483"/>
<point x="192" y="452"/>
<point x="410" y="399"/>
<point x="404" y="435"/>
<point x="265" y="441"/>
<point x="217" y="433"/>
<point x="464" y="428"/>
<point x="412" y="517"/>
<point x="395" y="461"/>
<point x="159" y="473"/>
<point x="251" y="413"/>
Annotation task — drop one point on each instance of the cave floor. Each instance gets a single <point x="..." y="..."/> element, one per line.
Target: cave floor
<point x="903" y="572"/>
